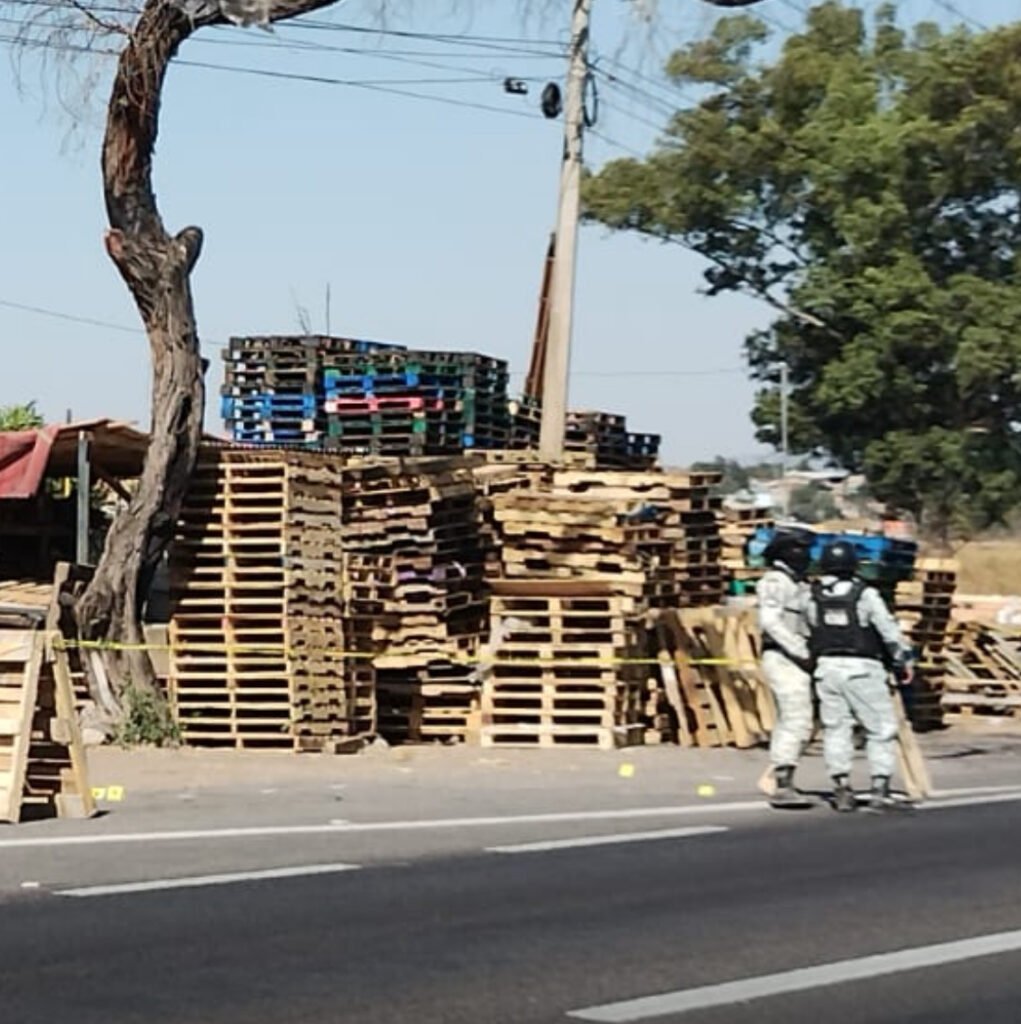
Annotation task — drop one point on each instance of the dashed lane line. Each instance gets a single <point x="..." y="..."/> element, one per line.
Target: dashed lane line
<point x="607" y="840"/>
<point x="961" y="798"/>
<point x="803" y="979"/>
<point x="412" y="825"/>
<point x="200" y="881"/>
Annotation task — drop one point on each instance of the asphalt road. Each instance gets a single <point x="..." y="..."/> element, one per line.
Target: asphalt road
<point x="449" y="931"/>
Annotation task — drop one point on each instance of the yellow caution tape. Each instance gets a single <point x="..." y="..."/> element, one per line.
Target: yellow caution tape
<point x="342" y="655"/>
<point x="281" y="650"/>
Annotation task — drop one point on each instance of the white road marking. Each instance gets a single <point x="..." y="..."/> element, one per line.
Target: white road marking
<point x="975" y="790"/>
<point x="341" y="827"/>
<point x="624" y="814"/>
<point x="801" y="980"/>
<point x="620" y="837"/>
<point x="197" y="881"/>
<point x="972" y="801"/>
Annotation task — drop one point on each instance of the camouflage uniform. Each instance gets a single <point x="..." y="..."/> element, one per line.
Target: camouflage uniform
<point x="784" y="660"/>
<point x="853" y="687"/>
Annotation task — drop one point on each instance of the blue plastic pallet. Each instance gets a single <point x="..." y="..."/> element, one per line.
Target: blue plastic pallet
<point x="280" y="434"/>
<point x="883" y="556"/>
<point x="266" y="406"/>
<point x="338" y="384"/>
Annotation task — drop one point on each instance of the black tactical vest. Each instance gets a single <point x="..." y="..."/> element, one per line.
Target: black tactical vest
<point x="837" y="631"/>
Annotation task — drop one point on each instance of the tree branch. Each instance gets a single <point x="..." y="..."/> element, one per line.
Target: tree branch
<point x="282" y="10"/>
<point x="748" y="287"/>
<point x="133" y="119"/>
<point x="106" y="26"/>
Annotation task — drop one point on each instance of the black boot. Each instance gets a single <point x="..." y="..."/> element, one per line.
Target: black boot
<point x="844" y="799"/>
<point x="879" y="800"/>
<point x="785" y="795"/>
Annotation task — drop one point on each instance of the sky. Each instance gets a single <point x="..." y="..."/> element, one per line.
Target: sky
<point x="427" y="221"/>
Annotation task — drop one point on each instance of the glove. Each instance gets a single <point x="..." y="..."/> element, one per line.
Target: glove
<point x="904" y="673"/>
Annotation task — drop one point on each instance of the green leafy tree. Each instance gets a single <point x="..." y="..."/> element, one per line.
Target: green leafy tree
<point x="20" y="417"/>
<point x="864" y="181"/>
<point x="813" y="504"/>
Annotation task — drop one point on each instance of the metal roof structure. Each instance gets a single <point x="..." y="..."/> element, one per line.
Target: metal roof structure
<point x="27" y="457"/>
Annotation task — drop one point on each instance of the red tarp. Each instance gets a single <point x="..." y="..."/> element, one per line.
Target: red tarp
<point x="23" y="458"/>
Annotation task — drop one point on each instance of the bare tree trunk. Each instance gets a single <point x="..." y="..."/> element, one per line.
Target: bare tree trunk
<point x="156" y="268"/>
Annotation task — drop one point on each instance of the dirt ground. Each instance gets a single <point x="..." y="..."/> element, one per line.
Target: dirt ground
<point x="986" y="750"/>
<point x="990" y="567"/>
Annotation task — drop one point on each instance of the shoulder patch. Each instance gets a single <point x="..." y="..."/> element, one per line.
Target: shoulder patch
<point x="770" y="593"/>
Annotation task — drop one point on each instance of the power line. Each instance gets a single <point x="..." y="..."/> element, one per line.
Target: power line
<point x="966" y="19"/>
<point x="389" y="86"/>
<point x="108" y="325"/>
<point x="717" y="372"/>
<point x="415" y="57"/>
<point x="56" y="315"/>
<point x="373" y="86"/>
<point x="656" y="125"/>
<point x="665" y="85"/>
<point x="499" y="44"/>
<point x="405" y="57"/>
<point x="615" y="144"/>
<point x="454" y="38"/>
<point x="637" y="96"/>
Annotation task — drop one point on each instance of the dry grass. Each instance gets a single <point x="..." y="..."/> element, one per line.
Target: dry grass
<point x="989" y="567"/>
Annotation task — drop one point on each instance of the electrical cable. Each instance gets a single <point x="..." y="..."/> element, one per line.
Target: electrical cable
<point x="87" y="320"/>
<point x="391" y="87"/>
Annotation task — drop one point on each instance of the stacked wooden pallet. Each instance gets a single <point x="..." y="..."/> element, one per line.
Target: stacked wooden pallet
<point x="670" y="525"/>
<point x="708" y="690"/>
<point x="316" y="600"/>
<point x="414" y="403"/>
<point x="601" y="437"/>
<point x="273" y="386"/>
<point x="566" y="606"/>
<point x="414" y="596"/>
<point x="643" y="540"/>
<point x="565" y="671"/>
<point x="924" y="606"/>
<point x="334" y="696"/>
<point x="606" y="437"/>
<point x="983" y="672"/>
<point x="552" y="535"/>
<point x="256" y="629"/>
<point x="738" y="524"/>
<point x="526" y="417"/>
<point x="43" y="771"/>
<point x="229" y="680"/>
<point x="362" y="397"/>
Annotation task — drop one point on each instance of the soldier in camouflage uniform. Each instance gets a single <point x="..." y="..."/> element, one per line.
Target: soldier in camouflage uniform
<point x="786" y="665"/>
<point x="856" y="643"/>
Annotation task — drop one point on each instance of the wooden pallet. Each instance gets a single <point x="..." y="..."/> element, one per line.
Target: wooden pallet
<point x="43" y="768"/>
<point x="550" y="737"/>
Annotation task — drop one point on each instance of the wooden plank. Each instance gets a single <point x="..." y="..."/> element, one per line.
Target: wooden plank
<point x="913" y="768"/>
<point x="13" y="787"/>
<point x="77" y="802"/>
<point x="17" y="645"/>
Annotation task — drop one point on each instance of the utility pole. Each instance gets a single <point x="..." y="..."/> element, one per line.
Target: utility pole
<point x="558" y="352"/>
<point x="82" y="554"/>
<point x="784" y="387"/>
